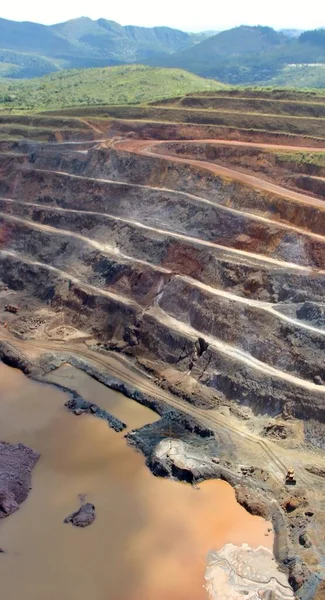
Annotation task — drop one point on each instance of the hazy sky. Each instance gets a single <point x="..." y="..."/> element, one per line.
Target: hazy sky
<point x="189" y="15"/>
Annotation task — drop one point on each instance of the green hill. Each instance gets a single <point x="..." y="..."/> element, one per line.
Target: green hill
<point x="83" y="43"/>
<point x="241" y="40"/>
<point x="300" y="76"/>
<point x="126" y="42"/>
<point x="250" y="55"/>
<point x="129" y="84"/>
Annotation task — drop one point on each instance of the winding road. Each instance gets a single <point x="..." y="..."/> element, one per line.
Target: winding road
<point x="151" y="149"/>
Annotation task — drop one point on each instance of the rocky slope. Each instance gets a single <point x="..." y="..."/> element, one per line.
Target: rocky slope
<point x="171" y="256"/>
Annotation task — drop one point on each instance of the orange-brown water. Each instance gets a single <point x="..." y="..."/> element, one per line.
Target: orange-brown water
<point x="150" y="537"/>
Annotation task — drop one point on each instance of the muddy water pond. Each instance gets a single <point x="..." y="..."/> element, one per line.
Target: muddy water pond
<point x="151" y="536"/>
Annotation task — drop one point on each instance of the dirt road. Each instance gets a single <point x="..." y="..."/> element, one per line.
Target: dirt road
<point x="151" y="149"/>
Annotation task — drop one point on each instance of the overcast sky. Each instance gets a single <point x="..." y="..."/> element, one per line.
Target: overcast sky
<point x="182" y="14"/>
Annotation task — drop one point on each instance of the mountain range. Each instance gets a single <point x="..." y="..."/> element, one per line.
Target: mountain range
<point x="253" y="55"/>
<point x="31" y="50"/>
<point x="243" y="55"/>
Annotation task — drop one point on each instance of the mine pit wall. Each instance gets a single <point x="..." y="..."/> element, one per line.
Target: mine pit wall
<point x="136" y="281"/>
<point x="243" y="156"/>
<point x="311" y="184"/>
<point x="263" y="335"/>
<point x="172" y="210"/>
<point x="285" y="124"/>
<point x="157" y="172"/>
<point x="29" y="147"/>
<point x="163" y="173"/>
<point x="28" y="136"/>
<point x="182" y="256"/>
<point x="264" y="393"/>
<point x="186" y="131"/>
<point x="106" y="317"/>
<point x="166" y="253"/>
<point x="52" y="128"/>
<point x="272" y="340"/>
<point x="40" y="120"/>
<point x="309" y="109"/>
<point x="148" y="130"/>
<point x="206" y="265"/>
<point x="71" y="162"/>
<point x="127" y="328"/>
<point x="11" y="164"/>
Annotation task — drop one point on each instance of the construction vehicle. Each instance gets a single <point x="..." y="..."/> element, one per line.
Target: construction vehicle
<point x="290" y="477"/>
<point x="11" y="308"/>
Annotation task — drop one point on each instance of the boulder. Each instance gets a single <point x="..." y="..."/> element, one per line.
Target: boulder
<point x="82" y="517"/>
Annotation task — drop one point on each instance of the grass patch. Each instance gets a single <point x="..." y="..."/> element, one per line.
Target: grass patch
<point x="309" y="163"/>
<point x="306" y="158"/>
<point x="301" y="76"/>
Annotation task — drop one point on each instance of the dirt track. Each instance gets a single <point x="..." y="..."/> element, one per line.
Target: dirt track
<point x="220" y="142"/>
<point x="149" y="148"/>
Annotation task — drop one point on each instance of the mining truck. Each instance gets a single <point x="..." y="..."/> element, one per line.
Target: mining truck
<point x="11" y="308"/>
<point x="290" y="477"/>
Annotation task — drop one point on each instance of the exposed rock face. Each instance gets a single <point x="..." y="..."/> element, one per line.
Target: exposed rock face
<point x="16" y="464"/>
<point x="276" y="430"/>
<point x="80" y="406"/>
<point x="316" y="470"/>
<point x="235" y="572"/>
<point x="82" y="517"/>
<point x="14" y="358"/>
<point x="314" y="313"/>
<point x="174" y="455"/>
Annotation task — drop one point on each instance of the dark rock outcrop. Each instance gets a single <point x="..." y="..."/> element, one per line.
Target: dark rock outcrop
<point x="13" y="357"/>
<point x="16" y="464"/>
<point x="82" y="517"/>
<point x="79" y="406"/>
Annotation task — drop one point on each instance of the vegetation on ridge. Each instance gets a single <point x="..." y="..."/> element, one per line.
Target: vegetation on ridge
<point x="252" y="55"/>
<point x="242" y="55"/>
<point x="32" y="49"/>
<point x="129" y="84"/>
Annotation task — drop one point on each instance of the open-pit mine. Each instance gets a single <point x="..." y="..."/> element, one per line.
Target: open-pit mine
<point x="162" y="287"/>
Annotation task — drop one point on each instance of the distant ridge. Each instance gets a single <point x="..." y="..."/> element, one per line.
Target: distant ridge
<point x="251" y="55"/>
<point x="82" y="43"/>
<point x="242" y="55"/>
